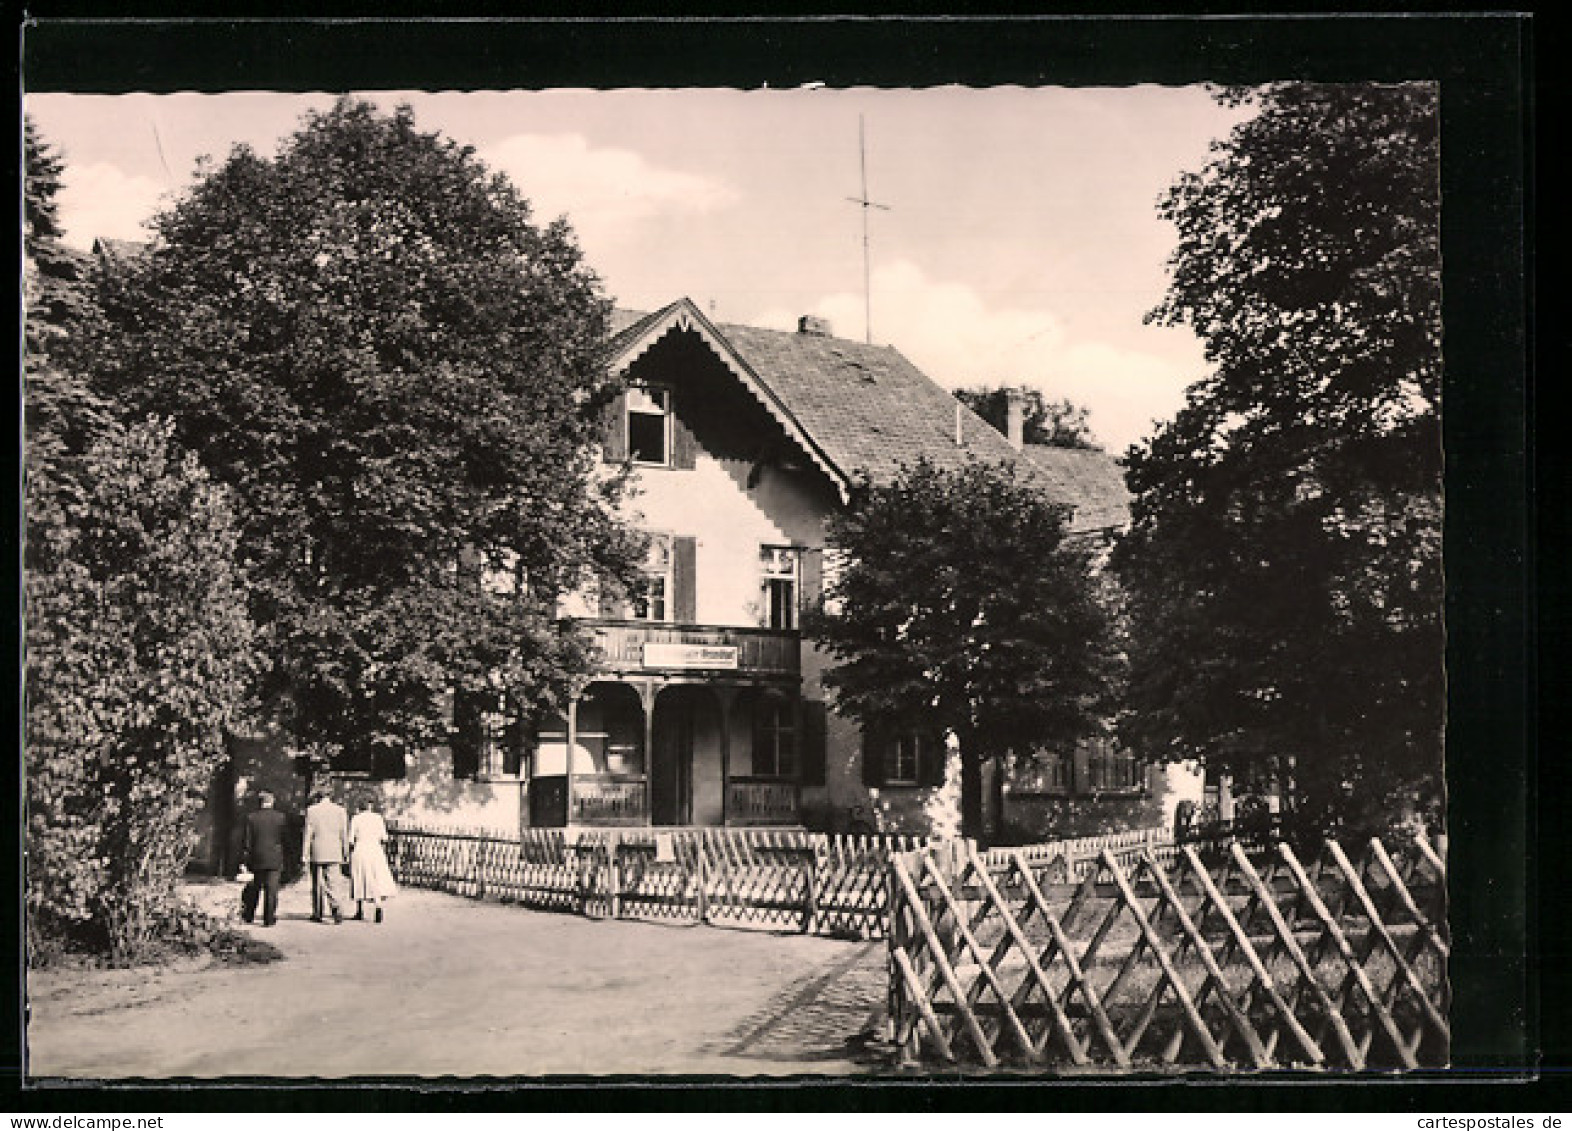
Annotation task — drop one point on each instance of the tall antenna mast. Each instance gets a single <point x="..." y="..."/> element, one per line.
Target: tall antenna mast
<point x="867" y="291"/>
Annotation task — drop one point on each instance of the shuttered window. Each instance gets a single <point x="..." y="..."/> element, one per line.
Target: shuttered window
<point x="907" y="757"/>
<point x="1110" y="768"/>
<point x="652" y="596"/>
<point x="774" y="738"/>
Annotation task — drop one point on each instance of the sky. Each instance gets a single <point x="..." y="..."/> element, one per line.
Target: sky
<point x="1019" y="240"/>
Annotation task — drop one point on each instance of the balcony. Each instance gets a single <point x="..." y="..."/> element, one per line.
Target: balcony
<point x="630" y="647"/>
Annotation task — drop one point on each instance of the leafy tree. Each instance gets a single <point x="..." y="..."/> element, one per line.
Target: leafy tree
<point x="1060" y="423"/>
<point x="1283" y="568"/>
<point x="62" y="413"/>
<point x="139" y="653"/>
<point x="138" y="647"/>
<point x="402" y="378"/>
<point x="56" y="292"/>
<point x="961" y="606"/>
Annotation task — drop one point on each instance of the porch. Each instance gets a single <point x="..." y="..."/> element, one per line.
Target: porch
<point x="684" y="725"/>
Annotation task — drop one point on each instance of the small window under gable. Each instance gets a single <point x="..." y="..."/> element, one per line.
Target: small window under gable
<point x="649" y="425"/>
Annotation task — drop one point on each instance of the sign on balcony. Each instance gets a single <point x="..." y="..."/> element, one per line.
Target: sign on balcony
<point x="707" y="656"/>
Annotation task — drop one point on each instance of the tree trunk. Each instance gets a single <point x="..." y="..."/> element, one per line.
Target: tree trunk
<point x="972" y="794"/>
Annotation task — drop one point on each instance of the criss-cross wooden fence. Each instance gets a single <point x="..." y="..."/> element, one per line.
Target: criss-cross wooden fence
<point x="1251" y="963"/>
<point x="784" y="879"/>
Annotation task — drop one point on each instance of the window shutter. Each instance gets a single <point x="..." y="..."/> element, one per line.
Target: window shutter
<point x="684" y="555"/>
<point x="812" y="581"/>
<point x="930" y="760"/>
<point x="465" y="739"/>
<point x="616" y="429"/>
<point x="684" y="449"/>
<point x="873" y="744"/>
<point x="812" y="740"/>
<point x="610" y="607"/>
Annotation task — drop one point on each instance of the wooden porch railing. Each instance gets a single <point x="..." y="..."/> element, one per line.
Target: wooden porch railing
<point x="600" y="799"/>
<point x="762" y="801"/>
<point x="621" y="800"/>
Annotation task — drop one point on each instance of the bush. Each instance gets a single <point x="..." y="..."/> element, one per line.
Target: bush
<point x="139" y="653"/>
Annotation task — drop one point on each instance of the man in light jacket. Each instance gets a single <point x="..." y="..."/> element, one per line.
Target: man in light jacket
<point x="325" y="848"/>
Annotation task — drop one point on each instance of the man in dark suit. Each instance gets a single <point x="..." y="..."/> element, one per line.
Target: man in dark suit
<point x="263" y="853"/>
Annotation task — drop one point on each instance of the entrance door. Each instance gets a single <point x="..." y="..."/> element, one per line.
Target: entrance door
<point x="671" y="762"/>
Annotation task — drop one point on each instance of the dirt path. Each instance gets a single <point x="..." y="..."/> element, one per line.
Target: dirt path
<point x="449" y="986"/>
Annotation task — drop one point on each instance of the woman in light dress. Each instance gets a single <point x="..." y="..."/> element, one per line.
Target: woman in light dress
<point x="370" y="878"/>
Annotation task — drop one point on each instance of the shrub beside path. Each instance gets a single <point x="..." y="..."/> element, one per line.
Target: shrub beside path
<point x="454" y="987"/>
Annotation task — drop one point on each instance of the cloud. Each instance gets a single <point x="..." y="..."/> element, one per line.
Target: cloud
<point x="99" y="199"/>
<point x="603" y="192"/>
<point x="952" y="333"/>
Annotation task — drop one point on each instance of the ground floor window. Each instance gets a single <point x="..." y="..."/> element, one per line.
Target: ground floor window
<point x="377" y="762"/>
<point x="903" y="757"/>
<point x="774" y="739"/>
<point x="1111" y="768"/>
<point x="501" y="751"/>
<point x="1047" y="771"/>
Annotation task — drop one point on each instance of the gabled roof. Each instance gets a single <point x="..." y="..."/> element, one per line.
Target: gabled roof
<point x="114" y="252"/>
<point x="868" y="406"/>
<point x="1087" y="479"/>
<point x="859" y="408"/>
<point x="853" y="407"/>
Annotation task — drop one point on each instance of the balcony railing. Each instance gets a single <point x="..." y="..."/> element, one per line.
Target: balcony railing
<point x="761" y="801"/>
<point x="628" y="646"/>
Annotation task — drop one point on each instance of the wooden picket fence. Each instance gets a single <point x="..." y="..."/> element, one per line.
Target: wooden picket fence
<point x="1074" y="858"/>
<point x="829" y="884"/>
<point x="1251" y="963"/>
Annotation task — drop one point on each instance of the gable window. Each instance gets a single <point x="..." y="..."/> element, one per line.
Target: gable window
<point x="774" y="739"/>
<point x="651" y="597"/>
<point x="782" y="567"/>
<point x="649" y="425"/>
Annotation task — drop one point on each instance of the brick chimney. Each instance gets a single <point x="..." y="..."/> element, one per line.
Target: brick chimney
<point x="1015" y="418"/>
<point x="814" y="326"/>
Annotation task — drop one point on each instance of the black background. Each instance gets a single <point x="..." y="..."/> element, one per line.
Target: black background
<point x="1506" y="960"/>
